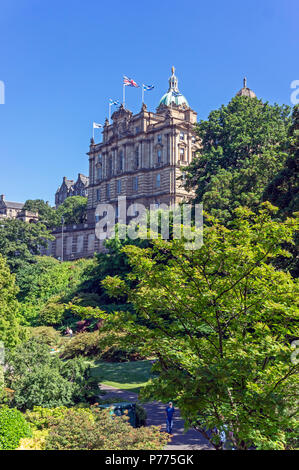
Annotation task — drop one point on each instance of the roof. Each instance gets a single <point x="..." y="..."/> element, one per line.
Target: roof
<point x="13" y="205"/>
<point x="245" y="91"/>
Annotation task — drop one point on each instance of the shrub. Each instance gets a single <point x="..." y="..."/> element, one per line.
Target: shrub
<point x="13" y="427"/>
<point x="39" y="378"/>
<point x="45" y="334"/>
<point x="141" y="415"/>
<point x="117" y="353"/>
<point x="36" y="442"/>
<point x="53" y="311"/>
<point x="85" y="344"/>
<point x="101" y="431"/>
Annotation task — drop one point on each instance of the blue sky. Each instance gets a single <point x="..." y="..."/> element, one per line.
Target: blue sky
<point x="62" y="60"/>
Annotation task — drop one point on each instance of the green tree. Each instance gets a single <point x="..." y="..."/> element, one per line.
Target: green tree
<point x="46" y="214"/>
<point x="10" y="329"/>
<point x="39" y="378"/>
<point x="20" y="241"/>
<point x="244" y="145"/>
<point x="73" y="210"/>
<point x="221" y="322"/>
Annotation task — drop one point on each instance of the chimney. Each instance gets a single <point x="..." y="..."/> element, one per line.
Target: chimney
<point x="64" y="178"/>
<point x="2" y="197"/>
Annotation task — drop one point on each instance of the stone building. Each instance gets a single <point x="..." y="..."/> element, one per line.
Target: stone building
<point x="71" y="188"/>
<point x="14" y="210"/>
<point x="141" y="157"/>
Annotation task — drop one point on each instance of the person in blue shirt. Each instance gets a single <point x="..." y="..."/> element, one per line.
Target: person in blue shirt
<point x="169" y="417"/>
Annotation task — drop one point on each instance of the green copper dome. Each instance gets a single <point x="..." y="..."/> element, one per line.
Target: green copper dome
<point x="173" y="95"/>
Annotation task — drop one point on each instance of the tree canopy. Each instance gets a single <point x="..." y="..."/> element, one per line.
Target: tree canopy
<point x="221" y="321"/>
<point x="244" y="145"/>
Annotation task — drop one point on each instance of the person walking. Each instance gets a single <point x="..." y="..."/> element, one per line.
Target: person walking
<point x="169" y="410"/>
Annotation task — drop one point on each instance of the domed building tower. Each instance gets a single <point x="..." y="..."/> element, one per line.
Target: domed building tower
<point x="173" y="96"/>
<point x="245" y="91"/>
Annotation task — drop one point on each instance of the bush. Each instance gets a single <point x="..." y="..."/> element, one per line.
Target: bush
<point x="85" y="344"/>
<point x="117" y="353"/>
<point x="141" y="415"/>
<point x="39" y="378"/>
<point x="101" y="431"/>
<point x="45" y="334"/>
<point x="13" y="427"/>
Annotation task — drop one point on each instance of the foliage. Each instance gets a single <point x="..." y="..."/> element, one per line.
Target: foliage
<point x="13" y="427"/>
<point x="40" y="378"/>
<point x="46" y="213"/>
<point x="84" y="344"/>
<point x="10" y="330"/>
<point x="21" y="241"/>
<point x="141" y="415"/>
<point x="46" y="335"/>
<point x="73" y="210"/>
<point x="47" y="282"/>
<point x="101" y="431"/>
<point x="283" y="190"/>
<point x="36" y="442"/>
<point x="222" y="321"/>
<point x="244" y="145"/>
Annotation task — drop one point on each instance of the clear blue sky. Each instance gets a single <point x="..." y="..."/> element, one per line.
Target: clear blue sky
<point x="62" y="60"/>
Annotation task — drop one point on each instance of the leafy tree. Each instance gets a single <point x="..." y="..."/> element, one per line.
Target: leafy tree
<point x="39" y="378"/>
<point x="20" y="241"/>
<point x="283" y="190"/>
<point x="10" y="329"/>
<point x="73" y="210"/>
<point x="244" y="145"/>
<point x="222" y="320"/>
<point x="46" y="214"/>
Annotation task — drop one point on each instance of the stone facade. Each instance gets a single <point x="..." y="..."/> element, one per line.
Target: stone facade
<point x="141" y="157"/>
<point x="14" y="210"/>
<point x="70" y="188"/>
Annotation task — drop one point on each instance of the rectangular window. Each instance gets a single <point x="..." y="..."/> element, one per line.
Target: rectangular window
<point x="118" y="186"/>
<point x="182" y="136"/>
<point x="193" y="140"/>
<point x="135" y="183"/>
<point x="159" y="156"/>
<point x="158" y="180"/>
<point x="160" y="138"/>
<point x="100" y="173"/>
<point x="108" y="191"/>
<point x="100" y="158"/>
<point x="98" y="194"/>
<point x="182" y="154"/>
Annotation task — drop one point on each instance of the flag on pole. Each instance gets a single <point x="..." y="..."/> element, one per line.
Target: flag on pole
<point x="130" y="82"/>
<point x="113" y="102"/>
<point x="148" y="87"/>
<point x="95" y="126"/>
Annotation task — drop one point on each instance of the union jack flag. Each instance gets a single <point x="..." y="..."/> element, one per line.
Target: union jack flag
<point x="130" y="82"/>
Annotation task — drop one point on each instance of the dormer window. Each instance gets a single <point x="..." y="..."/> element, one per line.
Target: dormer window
<point x="159" y="138"/>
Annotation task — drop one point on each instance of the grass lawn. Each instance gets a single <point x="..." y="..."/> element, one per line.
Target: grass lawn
<point x="124" y="375"/>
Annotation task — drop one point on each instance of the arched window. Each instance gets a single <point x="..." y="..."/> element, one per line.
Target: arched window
<point x="159" y="156"/>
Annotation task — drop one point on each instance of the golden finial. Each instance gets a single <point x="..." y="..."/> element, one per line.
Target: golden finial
<point x="172" y="70"/>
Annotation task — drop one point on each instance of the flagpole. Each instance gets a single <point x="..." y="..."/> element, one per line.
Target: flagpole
<point x="124" y="98"/>
<point x="142" y="94"/>
<point x="93" y="131"/>
<point x="109" y="111"/>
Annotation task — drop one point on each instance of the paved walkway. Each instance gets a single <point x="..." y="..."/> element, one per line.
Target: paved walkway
<point x="155" y="416"/>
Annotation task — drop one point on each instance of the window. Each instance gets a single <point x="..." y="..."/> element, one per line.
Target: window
<point x="137" y="157"/>
<point x="98" y="194"/>
<point x="100" y="158"/>
<point x="121" y="161"/>
<point x="193" y="139"/>
<point x="135" y="183"/>
<point x="160" y="138"/>
<point x="100" y="173"/>
<point x="158" y="180"/>
<point x="108" y="191"/>
<point x="182" y="154"/>
<point x="182" y="136"/>
<point x="97" y="218"/>
<point x="116" y="212"/>
<point x="137" y="129"/>
<point x="110" y="166"/>
<point x="118" y="186"/>
<point x="159" y="156"/>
